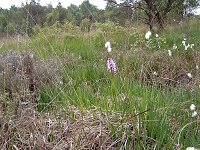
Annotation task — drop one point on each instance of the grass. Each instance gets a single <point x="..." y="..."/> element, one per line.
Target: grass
<point x="132" y="109"/>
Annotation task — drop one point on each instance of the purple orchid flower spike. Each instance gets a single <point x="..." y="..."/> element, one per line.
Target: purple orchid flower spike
<point x="111" y="66"/>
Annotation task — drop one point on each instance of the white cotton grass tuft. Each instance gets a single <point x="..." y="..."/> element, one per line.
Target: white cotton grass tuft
<point x="148" y="35"/>
<point x="174" y="46"/>
<point x="194" y="114"/>
<point x="183" y="42"/>
<point x="189" y="75"/>
<point x="157" y="35"/>
<point x="108" y="46"/>
<point x="192" y="107"/>
<point x="187" y="46"/>
<point x="169" y="52"/>
<point x="109" y="49"/>
<point x="192" y="45"/>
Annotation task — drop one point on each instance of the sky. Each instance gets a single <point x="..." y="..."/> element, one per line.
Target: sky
<point x="65" y="3"/>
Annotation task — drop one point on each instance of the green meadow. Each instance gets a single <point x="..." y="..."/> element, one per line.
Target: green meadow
<point x="79" y="104"/>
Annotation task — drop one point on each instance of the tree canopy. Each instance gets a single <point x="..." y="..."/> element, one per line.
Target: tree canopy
<point x="21" y="20"/>
<point x="158" y="12"/>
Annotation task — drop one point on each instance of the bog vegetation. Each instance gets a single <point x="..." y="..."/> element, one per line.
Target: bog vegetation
<point x="84" y="78"/>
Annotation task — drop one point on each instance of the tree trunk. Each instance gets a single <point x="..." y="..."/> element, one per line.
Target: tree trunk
<point x="160" y="21"/>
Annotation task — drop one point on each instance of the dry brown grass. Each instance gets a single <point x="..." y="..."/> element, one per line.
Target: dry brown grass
<point x="13" y="40"/>
<point x="22" y="75"/>
<point x="171" y="72"/>
<point x="85" y="130"/>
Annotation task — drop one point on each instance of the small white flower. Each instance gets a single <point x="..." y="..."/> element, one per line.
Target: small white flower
<point x="184" y="39"/>
<point x="155" y="73"/>
<point x="157" y="35"/>
<point x="194" y="114"/>
<point x="170" y="52"/>
<point x="174" y="46"/>
<point x="189" y="75"/>
<point x="190" y="148"/>
<point x="109" y="49"/>
<point x="148" y="35"/>
<point x="192" y="107"/>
